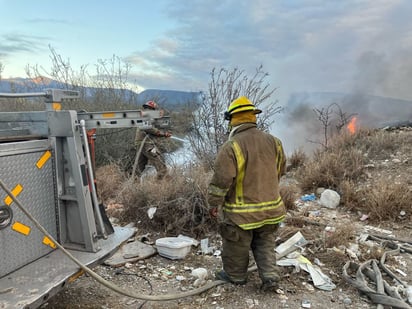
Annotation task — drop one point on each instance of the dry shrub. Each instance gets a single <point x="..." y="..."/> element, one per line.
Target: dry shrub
<point x="342" y="236"/>
<point x="180" y="203"/>
<point x="109" y="179"/>
<point x="384" y="200"/>
<point x="378" y="144"/>
<point x="297" y="159"/>
<point x="329" y="168"/>
<point x="349" y="194"/>
<point x="333" y="259"/>
<point x="21" y="104"/>
<point x="289" y="194"/>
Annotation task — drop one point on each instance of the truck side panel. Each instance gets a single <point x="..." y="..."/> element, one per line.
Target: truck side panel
<point x="27" y="168"/>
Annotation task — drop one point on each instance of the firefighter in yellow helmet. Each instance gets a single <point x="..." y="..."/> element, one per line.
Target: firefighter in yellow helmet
<point x="244" y="195"/>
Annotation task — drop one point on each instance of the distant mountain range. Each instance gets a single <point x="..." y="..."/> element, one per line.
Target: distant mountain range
<point x="168" y="99"/>
<point x="372" y="110"/>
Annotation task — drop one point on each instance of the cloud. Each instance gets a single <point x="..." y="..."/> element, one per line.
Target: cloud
<point x="20" y="43"/>
<point x="304" y="45"/>
<point x="52" y="21"/>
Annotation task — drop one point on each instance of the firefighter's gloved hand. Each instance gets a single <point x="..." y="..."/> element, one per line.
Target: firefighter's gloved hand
<point x="168" y="134"/>
<point x="213" y="212"/>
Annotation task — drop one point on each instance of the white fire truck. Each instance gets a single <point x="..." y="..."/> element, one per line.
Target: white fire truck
<point x="46" y="166"/>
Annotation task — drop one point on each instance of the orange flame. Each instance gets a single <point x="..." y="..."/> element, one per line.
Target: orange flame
<point x="352" y="125"/>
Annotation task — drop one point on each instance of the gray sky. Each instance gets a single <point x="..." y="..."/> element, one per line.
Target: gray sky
<point x="305" y="45"/>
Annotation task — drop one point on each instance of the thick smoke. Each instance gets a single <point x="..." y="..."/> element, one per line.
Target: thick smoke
<point x="380" y="96"/>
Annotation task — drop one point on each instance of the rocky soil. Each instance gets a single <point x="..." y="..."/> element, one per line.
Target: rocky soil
<point x="158" y="275"/>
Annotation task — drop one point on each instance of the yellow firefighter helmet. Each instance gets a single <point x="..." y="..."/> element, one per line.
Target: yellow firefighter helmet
<point x="241" y="104"/>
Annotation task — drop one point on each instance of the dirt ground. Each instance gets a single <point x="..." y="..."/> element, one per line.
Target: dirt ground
<point x="158" y="275"/>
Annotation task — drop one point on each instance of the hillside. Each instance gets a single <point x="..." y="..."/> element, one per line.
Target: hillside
<point x="169" y="99"/>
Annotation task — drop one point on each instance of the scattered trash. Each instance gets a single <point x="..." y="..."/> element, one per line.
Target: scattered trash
<point x="204" y="245"/>
<point x="173" y="247"/>
<point x="318" y="262"/>
<point x="306" y="303"/>
<point x="199" y="273"/>
<point x="364" y="217"/>
<point x="314" y="213"/>
<point x="376" y="229"/>
<point x="217" y="253"/>
<point x="130" y="253"/>
<point x="189" y="239"/>
<point x="308" y="197"/>
<point x="402" y="215"/>
<point x="329" y="199"/>
<point x="151" y="211"/>
<point x="319" y="279"/>
<point x="409" y="294"/>
<point x="295" y="242"/>
<point x="401" y="272"/>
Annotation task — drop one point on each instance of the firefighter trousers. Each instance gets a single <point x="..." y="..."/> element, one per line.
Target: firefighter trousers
<point x="236" y="245"/>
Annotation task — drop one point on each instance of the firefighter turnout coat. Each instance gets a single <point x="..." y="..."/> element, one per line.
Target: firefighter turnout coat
<point x="245" y="184"/>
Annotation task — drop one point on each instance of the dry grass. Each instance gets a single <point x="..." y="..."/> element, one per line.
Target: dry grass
<point x="384" y="200"/>
<point x="341" y="167"/>
<point x="180" y="203"/>
<point x="109" y="179"/>
<point x="341" y="161"/>
<point x="342" y="236"/>
<point x="289" y="194"/>
<point x="328" y="169"/>
<point x="350" y="196"/>
<point x="297" y="159"/>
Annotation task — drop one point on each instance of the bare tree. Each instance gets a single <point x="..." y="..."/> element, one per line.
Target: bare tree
<point x="209" y="127"/>
<point x="343" y="118"/>
<point x="325" y="116"/>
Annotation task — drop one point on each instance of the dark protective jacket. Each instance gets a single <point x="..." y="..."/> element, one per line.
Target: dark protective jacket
<point x="245" y="183"/>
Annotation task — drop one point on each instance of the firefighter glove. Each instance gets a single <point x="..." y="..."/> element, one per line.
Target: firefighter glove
<point x="213" y="212"/>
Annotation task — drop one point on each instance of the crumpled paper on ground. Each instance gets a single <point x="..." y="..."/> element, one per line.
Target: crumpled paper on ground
<point x="320" y="280"/>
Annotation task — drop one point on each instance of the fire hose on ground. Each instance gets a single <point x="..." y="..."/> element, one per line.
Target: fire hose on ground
<point x="384" y="295"/>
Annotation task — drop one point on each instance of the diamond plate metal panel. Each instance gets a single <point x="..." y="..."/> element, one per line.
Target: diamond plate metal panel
<point x="38" y="197"/>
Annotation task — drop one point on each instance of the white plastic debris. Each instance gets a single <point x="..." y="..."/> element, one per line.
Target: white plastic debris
<point x="409" y="294"/>
<point x="189" y="239"/>
<point x="151" y="211"/>
<point x="204" y="245"/>
<point x="295" y="242"/>
<point x="200" y="273"/>
<point x="173" y="248"/>
<point x="377" y="229"/>
<point x="329" y="199"/>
